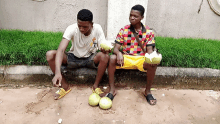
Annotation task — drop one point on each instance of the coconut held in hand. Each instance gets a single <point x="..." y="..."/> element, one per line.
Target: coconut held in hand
<point x="94" y="99"/>
<point x="106" y="45"/>
<point x="153" y="58"/>
<point x="105" y="103"/>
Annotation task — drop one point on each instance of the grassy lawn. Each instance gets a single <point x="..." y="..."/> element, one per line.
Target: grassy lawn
<point x="189" y="52"/>
<point x="29" y="48"/>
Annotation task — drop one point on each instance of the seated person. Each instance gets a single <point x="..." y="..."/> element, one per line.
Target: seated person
<point x="86" y="39"/>
<point x="133" y="56"/>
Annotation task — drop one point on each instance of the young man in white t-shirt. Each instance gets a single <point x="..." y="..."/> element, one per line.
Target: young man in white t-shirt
<point x="86" y="38"/>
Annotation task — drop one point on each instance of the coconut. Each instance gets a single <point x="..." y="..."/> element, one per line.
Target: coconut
<point x="106" y="45"/>
<point x="153" y="58"/>
<point x="94" y="99"/>
<point x="105" y="103"/>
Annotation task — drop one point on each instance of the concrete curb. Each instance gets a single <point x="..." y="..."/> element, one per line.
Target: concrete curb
<point x="163" y="71"/>
<point x="25" y="73"/>
<point x="165" y="76"/>
<point x="195" y="72"/>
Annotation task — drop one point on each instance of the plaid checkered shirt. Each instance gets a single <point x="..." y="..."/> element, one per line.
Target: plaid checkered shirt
<point x="130" y="45"/>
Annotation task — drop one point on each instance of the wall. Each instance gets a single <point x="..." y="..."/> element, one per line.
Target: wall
<point x="170" y="18"/>
<point x="180" y="18"/>
<point x="118" y="15"/>
<point x="49" y="15"/>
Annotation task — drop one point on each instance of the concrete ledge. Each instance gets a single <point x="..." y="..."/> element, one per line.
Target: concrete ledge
<point x="193" y="78"/>
<point x="23" y="69"/>
<point x="2" y="68"/>
<point x="194" y="72"/>
<point x="25" y="73"/>
<point x="80" y="75"/>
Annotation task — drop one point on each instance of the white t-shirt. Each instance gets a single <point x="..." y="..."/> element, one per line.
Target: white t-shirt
<point x="84" y="46"/>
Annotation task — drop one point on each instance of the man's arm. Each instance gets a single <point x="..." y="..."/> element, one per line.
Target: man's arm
<point x="151" y="42"/>
<point x="116" y="48"/>
<point x="118" y="42"/>
<point x="119" y="55"/>
<point x="59" y="56"/>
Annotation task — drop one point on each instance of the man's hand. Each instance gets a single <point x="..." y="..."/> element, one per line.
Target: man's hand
<point x="120" y="59"/>
<point x="106" y="51"/>
<point x="57" y="80"/>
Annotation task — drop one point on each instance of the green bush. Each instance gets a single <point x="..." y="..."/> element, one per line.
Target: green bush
<point x="29" y="48"/>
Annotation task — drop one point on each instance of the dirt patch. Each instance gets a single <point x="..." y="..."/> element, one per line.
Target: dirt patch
<point x="44" y="100"/>
<point x="32" y="106"/>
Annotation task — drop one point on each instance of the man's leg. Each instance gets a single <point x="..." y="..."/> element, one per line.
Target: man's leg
<point x="151" y="70"/>
<point x="102" y="60"/>
<point x="111" y="73"/>
<point x="50" y="56"/>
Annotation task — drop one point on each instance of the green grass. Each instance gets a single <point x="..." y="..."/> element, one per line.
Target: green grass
<point x="189" y="52"/>
<point x="29" y="48"/>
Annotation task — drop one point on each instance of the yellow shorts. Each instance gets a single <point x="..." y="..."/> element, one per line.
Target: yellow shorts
<point x="133" y="62"/>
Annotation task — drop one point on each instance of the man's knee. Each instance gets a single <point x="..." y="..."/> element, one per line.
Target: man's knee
<point x="50" y="55"/>
<point x="150" y="68"/>
<point x="104" y="58"/>
<point x="113" y="59"/>
<point x="145" y="66"/>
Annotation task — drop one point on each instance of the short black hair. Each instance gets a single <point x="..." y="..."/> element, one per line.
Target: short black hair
<point x="85" y="15"/>
<point x="139" y="8"/>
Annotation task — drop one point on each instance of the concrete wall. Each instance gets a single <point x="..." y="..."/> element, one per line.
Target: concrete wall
<point x="118" y="15"/>
<point x="180" y="18"/>
<point x="173" y="18"/>
<point x="49" y="15"/>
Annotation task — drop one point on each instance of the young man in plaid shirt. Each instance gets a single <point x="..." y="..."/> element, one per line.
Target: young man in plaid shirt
<point x="133" y="55"/>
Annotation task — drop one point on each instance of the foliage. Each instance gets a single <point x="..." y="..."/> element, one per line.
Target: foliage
<point x="30" y="47"/>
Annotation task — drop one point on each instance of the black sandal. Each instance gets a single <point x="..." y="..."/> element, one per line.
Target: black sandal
<point x="150" y="97"/>
<point x="110" y="96"/>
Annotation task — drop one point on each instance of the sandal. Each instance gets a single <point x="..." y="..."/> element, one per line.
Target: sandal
<point x="110" y="96"/>
<point x="97" y="91"/>
<point x="150" y="97"/>
<point x="62" y="93"/>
